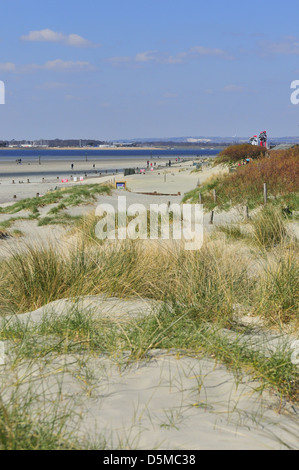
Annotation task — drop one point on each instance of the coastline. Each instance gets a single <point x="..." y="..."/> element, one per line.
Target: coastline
<point x="82" y="148"/>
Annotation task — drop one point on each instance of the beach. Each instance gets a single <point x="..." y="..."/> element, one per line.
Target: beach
<point x="139" y="392"/>
<point x="48" y="175"/>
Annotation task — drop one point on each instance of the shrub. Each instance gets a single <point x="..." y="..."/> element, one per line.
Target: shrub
<point x="235" y="153"/>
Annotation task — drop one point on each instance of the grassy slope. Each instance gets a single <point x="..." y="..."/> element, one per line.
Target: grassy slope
<point x="245" y="186"/>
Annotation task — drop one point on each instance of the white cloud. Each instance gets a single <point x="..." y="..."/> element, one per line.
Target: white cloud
<point x="51" y="65"/>
<point x="201" y="50"/>
<point x="145" y="56"/>
<point x="77" y="41"/>
<point x="48" y="35"/>
<point x="44" y="35"/>
<point x="59" y="64"/>
<point x="289" y="45"/>
<point x="7" y="67"/>
<point x="157" y="57"/>
<point x="175" y="59"/>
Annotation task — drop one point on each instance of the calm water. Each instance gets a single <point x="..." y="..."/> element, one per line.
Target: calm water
<point x="99" y="154"/>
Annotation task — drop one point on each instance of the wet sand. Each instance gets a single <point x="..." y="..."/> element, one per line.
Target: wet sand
<point x="29" y="178"/>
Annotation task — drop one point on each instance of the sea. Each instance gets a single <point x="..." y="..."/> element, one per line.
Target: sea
<point x="8" y="155"/>
<point x="91" y="155"/>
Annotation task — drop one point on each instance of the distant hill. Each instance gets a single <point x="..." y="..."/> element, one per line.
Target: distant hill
<point x="189" y="141"/>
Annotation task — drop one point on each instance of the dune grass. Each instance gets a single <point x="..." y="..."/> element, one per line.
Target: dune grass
<point x="269" y="227"/>
<point x="199" y="292"/>
<point x="207" y="280"/>
<point x="63" y="198"/>
<point x="172" y="327"/>
<point x="66" y="197"/>
<point x="210" y="281"/>
<point x="59" y="219"/>
<point x="19" y="430"/>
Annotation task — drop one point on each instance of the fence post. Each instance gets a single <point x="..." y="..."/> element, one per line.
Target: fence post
<point x="212" y="218"/>
<point x="265" y="193"/>
<point x="199" y="198"/>
<point x="214" y="195"/>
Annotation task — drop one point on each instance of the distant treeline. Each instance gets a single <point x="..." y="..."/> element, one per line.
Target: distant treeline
<point x="95" y="143"/>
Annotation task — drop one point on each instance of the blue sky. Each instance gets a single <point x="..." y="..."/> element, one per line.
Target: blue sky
<point x="119" y="69"/>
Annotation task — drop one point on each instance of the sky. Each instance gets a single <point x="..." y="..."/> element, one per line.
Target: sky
<point x="125" y="69"/>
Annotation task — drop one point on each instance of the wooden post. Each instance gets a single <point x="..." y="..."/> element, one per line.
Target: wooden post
<point x="199" y="198"/>
<point x="265" y="193"/>
<point x="212" y="218"/>
<point x="39" y="160"/>
<point x="28" y="181"/>
<point x="247" y="213"/>
<point x="214" y="195"/>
